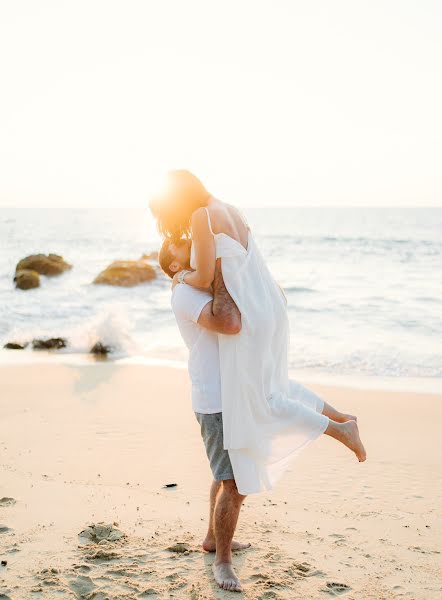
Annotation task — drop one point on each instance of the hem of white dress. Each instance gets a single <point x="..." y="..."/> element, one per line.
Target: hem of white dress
<point x="207" y="412"/>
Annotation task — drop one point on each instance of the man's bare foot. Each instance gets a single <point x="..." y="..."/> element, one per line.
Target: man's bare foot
<point x="225" y="577"/>
<point x="349" y="435"/>
<point x="209" y="545"/>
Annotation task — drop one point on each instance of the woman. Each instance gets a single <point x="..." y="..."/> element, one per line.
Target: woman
<point x="267" y="418"/>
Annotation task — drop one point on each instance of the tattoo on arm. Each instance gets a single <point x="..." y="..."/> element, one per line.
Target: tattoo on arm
<point x="223" y="304"/>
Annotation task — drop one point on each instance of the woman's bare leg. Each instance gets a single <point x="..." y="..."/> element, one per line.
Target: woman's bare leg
<point x="348" y="434"/>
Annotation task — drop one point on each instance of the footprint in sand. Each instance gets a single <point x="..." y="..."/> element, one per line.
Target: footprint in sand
<point x="149" y="592"/>
<point x="272" y="557"/>
<point x="82" y="568"/>
<point x="259" y="577"/>
<point x="336" y="589"/>
<point x="422" y="551"/>
<point x="48" y="577"/>
<point x="82" y="586"/>
<point x="339" y="539"/>
<point x="101" y="555"/>
<point x="305" y="569"/>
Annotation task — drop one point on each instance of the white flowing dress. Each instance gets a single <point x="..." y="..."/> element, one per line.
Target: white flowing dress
<point x="267" y="417"/>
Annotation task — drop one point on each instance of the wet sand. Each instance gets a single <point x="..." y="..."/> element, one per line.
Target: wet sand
<point x="82" y="445"/>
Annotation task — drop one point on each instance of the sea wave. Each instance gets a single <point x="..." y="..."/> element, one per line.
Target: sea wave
<point x="363" y="287"/>
<point x="111" y="328"/>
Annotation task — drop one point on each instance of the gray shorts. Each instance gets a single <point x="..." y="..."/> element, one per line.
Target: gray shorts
<point x="212" y="434"/>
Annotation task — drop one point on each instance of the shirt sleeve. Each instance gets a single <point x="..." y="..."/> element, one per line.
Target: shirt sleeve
<point x="188" y="302"/>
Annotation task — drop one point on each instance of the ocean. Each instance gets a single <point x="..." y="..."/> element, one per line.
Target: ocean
<point x="364" y="287"/>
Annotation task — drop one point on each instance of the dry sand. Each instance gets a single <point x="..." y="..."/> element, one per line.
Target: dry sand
<point x="95" y="443"/>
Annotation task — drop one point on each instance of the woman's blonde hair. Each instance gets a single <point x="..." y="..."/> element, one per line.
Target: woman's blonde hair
<point x="173" y="208"/>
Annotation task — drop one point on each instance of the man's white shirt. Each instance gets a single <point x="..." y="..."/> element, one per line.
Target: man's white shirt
<point x="204" y="370"/>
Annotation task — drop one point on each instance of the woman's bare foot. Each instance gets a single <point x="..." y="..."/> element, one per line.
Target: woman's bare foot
<point x="344" y="418"/>
<point x="335" y="415"/>
<point x="225" y="577"/>
<point x="352" y="440"/>
<point x="209" y="545"/>
<point x="348" y="434"/>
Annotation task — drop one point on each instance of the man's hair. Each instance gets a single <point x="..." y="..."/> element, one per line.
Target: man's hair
<point x="165" y="256"/>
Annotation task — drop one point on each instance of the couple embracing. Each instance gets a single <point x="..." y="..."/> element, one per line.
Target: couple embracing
<point x="232" y="315"/>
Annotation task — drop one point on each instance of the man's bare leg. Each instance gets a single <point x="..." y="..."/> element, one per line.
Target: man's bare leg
<point x="348" y="434"/>
<point x="226" y="515"/>
<point x="336" y="415"/>
<point x="209" y="543"/>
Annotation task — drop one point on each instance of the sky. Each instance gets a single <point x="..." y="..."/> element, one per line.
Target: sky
<point x="269" y="102"/>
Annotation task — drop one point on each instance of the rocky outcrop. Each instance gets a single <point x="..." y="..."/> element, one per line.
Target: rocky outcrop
<point x="26" y="279"/>
<point x="126" y="273"/>
<point x="100" y="349"/>
<point x="50" y="344"/>
<point x="15" y="346"/>
<point x="50" y="264"/>
<point x="29" y="269"/>
<point x="38" y="344"/>
<point x="45" y="264"/>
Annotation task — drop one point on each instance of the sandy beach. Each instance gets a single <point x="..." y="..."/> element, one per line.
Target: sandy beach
<point x="95" y="443"/>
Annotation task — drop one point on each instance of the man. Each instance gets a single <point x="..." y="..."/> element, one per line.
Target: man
<point x="199" y="327"/>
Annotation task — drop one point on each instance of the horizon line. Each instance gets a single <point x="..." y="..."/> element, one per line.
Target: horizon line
<point x="269" y="206"/>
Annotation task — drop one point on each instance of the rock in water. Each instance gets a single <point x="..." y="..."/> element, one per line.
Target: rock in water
<point x="26" y="279"/>
<point x="50" y="264"/>
<point x="15" y="346"/>
<point x="100" y="349"/>
<point x="126" y="273"/>
<point x="49" y="344"/>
